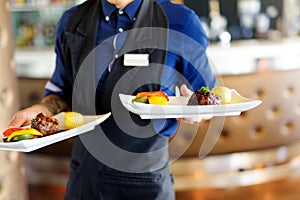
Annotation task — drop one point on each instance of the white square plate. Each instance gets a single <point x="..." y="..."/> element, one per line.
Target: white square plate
<point x="37" y="143"/>
<point x="178" y="107"/>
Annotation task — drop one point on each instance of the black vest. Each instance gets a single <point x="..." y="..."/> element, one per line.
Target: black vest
<point x="79" y="41"/>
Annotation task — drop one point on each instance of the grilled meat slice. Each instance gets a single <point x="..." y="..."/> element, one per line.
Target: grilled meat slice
<point x="204" y="98"/>
<point x="45" y="125"/>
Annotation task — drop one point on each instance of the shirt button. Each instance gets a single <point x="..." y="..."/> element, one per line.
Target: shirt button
<point x="121" y="30"/>
<point x="121" y="12"/>
<point x="107" y="18"/>
<point x="116" y="56"/>
<point x="134" y="19"/>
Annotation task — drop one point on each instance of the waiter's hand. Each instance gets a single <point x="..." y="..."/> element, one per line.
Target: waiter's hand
<point x="185" y="91"/>
<point x="23" y="117"/>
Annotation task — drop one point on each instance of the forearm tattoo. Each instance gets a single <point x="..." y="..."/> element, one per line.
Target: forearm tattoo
<point x="54" y="104"/>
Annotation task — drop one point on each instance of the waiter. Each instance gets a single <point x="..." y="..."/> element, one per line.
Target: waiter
<point x="107" y="47"/>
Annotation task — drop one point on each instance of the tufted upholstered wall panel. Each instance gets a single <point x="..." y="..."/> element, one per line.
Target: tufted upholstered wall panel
<point x="274" y="123"/>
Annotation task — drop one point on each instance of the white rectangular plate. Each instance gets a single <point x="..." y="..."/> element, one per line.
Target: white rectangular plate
<point x="37" y="143"/>
<point x="178" y="107"/>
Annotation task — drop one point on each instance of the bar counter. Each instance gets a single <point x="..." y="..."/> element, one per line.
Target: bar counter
<point x="239" y="57"/>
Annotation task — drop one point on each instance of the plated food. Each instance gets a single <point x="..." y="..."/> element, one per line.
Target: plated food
<point x="204" y="96"/>
<point x="40" y="141"/>
<point x="41" y="126"/>
<point x="217" y="102"/>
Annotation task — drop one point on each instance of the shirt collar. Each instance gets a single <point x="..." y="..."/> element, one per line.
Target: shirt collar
<point x="130" y="9"/>
<point x="107" y="8"/>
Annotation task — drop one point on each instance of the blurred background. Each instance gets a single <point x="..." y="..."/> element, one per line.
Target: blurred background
<point x="254" y="48"/>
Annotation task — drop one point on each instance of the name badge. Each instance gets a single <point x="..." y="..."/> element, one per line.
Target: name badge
<point x="141" y="60"/>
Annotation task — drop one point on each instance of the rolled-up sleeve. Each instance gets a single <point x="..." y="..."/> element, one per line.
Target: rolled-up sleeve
<point x="60" y="82"/>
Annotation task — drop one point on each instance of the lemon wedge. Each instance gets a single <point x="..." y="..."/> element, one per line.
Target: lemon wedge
<point x="224" y="93"/>
<point x="73" y="120"/>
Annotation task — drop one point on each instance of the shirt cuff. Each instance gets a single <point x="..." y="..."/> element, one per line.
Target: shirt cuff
<point x="52" y="87"/>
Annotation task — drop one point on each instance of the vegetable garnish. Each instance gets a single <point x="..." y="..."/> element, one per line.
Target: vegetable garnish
<point x="9" y="131"/>
<point x="25" y="131"/>
<point x="204" y="89"/>
<point x="22" y="137"/>
<point x="142" y="99"/>
<point x="148" y="94"/>
<point x="158" y="100"/>
<point x="155" y="97"/>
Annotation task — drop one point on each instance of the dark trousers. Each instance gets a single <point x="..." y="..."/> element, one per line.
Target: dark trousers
<point x="91" y="180"/>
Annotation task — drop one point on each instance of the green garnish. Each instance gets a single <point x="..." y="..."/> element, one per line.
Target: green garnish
<point x="204" y="89"/>
<point x="32" y="120"/>
<point x="142" y="99"/>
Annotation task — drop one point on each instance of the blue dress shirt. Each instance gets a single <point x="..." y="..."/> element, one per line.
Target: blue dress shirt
<point x="116" y="20"/>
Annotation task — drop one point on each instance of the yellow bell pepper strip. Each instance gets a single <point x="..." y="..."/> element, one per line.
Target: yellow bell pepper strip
<point x="32" y="131"/>
<point x="148" y="94"/>
<point x="158" y="100"/>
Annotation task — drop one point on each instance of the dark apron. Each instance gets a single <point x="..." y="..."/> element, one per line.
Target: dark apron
<point x="90" y="178"/>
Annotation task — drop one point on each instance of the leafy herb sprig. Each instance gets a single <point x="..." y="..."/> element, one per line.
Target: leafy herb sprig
<point x="204" y="89"/>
